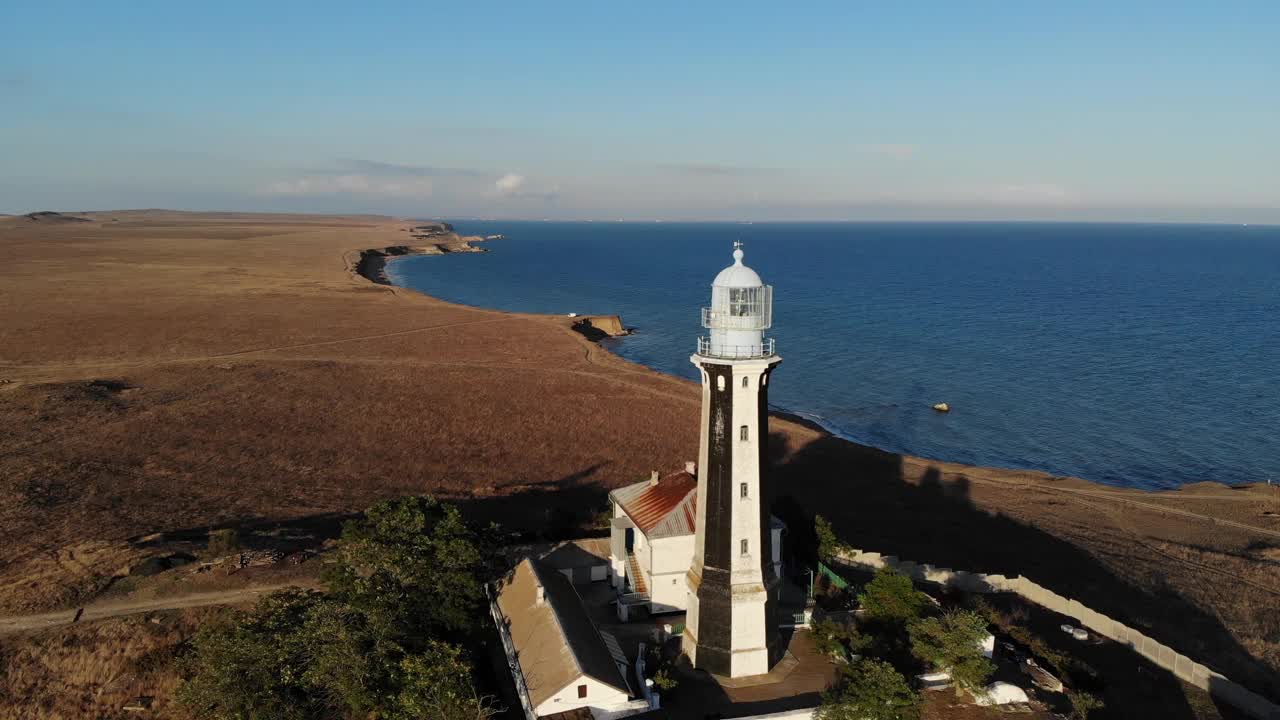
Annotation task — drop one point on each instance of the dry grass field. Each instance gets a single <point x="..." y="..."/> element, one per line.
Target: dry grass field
<point x="172" y="372"/>
<point x="96" y="670"/>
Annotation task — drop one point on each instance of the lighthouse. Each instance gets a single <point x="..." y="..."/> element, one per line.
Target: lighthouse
<point x="729" y="627"/>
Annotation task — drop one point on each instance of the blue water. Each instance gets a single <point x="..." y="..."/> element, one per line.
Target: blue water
<point x="1137" y="355"/>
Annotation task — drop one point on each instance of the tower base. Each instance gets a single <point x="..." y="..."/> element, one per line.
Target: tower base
<point x="730" y="630"/>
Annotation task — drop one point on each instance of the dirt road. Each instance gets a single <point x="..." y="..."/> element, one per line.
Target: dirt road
<point x="22" y="623"/>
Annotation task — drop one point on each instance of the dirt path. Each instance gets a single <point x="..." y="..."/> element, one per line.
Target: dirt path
<point x="23" y="623"/>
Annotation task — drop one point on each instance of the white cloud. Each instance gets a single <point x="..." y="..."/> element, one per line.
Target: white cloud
<point x="401" y="187"/>
<point x="509" y="184"/>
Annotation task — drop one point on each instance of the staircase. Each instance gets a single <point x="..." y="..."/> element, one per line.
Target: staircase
<point x="635" y="576"/>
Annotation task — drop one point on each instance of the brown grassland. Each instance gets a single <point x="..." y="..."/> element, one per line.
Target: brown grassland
<point x="172" y="372"/>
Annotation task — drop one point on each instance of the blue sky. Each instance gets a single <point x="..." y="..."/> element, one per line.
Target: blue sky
<point x="911" y="110"/>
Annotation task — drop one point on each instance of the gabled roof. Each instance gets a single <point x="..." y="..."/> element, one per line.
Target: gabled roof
<point x="555" y="641"/>
<point x="665" y="509"/>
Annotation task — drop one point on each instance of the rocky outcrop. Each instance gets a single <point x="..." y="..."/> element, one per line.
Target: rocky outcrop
<point x="599" y="327"/>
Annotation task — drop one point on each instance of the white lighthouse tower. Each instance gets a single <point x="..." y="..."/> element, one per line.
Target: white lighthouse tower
<point x="729" y="627"/>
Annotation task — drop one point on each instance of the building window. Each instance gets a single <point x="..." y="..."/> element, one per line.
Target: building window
<point x="582" y="691"/>
<point x="742" y="490"/>
<point x="743" y="433"/>
<point x="742" y="548"/>
<point x="744" y="382"/>
<point x="720" y="383"/>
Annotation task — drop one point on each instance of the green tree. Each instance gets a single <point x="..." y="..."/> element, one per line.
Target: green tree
<point x="870" y="690"/>
<point x="250" y="666"/>
<point x="891" y="598"/>
<point x="406" y="574"/>
<point x="349" y="665"/>
<point x="436" y="683"/>
<point x="835" y="638"/>
<point x="413" y="566"/>
<point x="953" y="643"/>
<point x="829" y="546"/>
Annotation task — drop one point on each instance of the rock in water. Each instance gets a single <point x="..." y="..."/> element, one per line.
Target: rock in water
<point x="942" y="407"/>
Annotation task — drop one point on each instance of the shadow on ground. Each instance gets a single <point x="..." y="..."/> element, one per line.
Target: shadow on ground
<point x="864" y="494"/>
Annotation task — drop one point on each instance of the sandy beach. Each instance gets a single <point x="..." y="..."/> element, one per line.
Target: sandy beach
<point x="169" y="372"/>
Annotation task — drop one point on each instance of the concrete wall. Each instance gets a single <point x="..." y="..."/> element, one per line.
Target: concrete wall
<point x="1161" y="655"/>
<point x="805" y="714"/>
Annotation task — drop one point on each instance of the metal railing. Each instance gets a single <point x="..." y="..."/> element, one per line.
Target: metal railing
<point x="706" y="348"/>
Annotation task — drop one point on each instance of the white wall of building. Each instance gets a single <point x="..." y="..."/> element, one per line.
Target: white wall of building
<point x="601" y="698"/>
<point x="668" y="589"/>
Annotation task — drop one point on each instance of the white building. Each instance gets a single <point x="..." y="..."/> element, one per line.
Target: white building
<point x="652" y="538"/>
<point x="651" y="541"/>
<point x="558" y="659"/>
<point x="708" y="526"/>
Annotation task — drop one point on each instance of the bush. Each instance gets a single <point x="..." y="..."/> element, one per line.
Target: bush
<point x="367" y="649"/>
<point x="413" y="566"/>
<point x="1082" y="703"/>
<point x="891" y="598"/>
<point x="870" y="690"/>
<point x="833" y="638"/>
<point x="829" y="546"/>
<point x="437" y="684"/>
<point x="953" y="643"/>
<point x="665" y="681"/>
<point x="251" y="665"/>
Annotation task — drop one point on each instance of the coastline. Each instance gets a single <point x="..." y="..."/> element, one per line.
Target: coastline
<point x="330" y="392"/>
<point x="380" y="260"/>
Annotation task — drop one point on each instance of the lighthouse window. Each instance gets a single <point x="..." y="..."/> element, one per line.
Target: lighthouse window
<point x="742" y="548"/>
<point x="743" y="433"/>
<point x="720" y="383"/>
<point x="744" y="382"/>
<point x="742" y="490"/>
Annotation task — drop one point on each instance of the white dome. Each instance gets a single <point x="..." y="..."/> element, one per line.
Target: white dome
<point x="737" y="275"/>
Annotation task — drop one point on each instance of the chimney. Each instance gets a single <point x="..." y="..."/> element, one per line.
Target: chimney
<point x="653" y="478"/>
<point x="541" y="595"/>
<point x="691" y="467"/>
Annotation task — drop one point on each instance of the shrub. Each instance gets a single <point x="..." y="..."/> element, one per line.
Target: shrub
<point x="250" y="665"/>
<point x="890" y="597"/>
<point x="833" y="638"/>
<point x="665" y="681"/>
<point x="953" y="643"/>
<point x="413" y="566"/>
<point x="829" y="546"/>
<point x="367" y="649"/>
<point x="437" y="684"/>
<point x="870" y="690"/>
<point x="1082" y="703"/>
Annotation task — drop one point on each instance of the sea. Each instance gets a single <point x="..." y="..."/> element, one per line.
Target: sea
<point x="1137" y="355"/>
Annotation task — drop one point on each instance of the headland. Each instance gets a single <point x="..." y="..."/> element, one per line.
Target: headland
<point x="170" y="372"/>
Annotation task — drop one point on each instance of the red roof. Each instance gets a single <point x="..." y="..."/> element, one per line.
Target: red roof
<point x="663" y="509"/>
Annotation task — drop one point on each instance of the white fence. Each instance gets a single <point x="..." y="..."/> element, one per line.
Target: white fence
<point x="1163" y="656"/>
